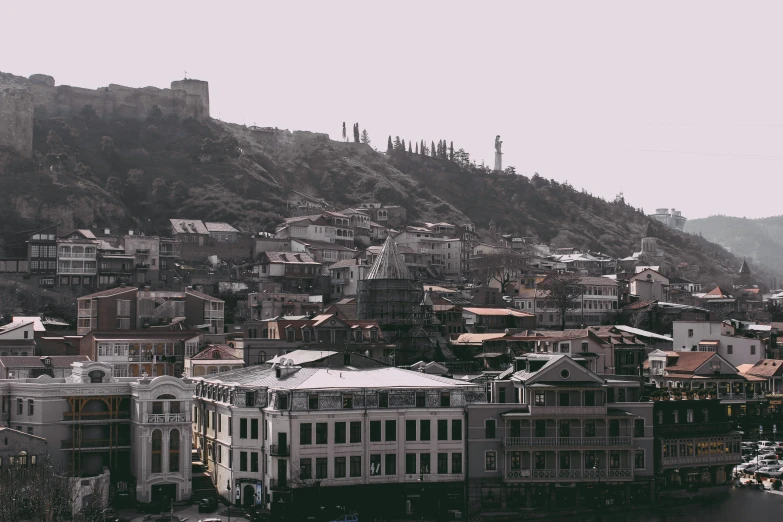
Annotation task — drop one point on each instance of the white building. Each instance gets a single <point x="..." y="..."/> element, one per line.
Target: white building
<point x="272" y="432"/>
<point x="649" y="284"/>
<point x="714" y="336"/>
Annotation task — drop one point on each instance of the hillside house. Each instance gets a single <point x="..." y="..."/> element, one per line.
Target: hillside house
<point x="189" y="231"/>
<point x="77" y="259"/>
<point x="649" y="284"/>
<point x="222" y="232"/>
<point x="296" y="272"/>
<point x="489" y="320"/>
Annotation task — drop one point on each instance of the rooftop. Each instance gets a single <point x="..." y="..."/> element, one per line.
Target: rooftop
<point x="188" y="226"/>
<point x="219" y="227"/>
<point x="216" y="351"/>
<point x="390" y="263"/>
<point x="497" y="311"/>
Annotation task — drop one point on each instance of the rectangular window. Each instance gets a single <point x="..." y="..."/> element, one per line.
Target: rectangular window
<point x="339" y="467"/>
<point x="391" y="430"/>
<point x="690" y="333"/>
<point x="410" y="463"/>
<point x="356" y="465"/>
<point x="320" y="468"/>
<point x="339" y="433"/>
<point x="638" y="460"/>
<point x="347" y="401"/>
<point x="729" y="349"/>
<point x="305" y="433"/>
<point x="490" y="461"/>
<point x="253" y="428"/>
<point x="424" y="430"/>
<point x="489" y="429"/>
<point x="410" y="430"/>
<point x="565" y="460"/>
<point x="306" y="469"/>
<point x="30" y="406"/>
<point x="565" y="398"/>
<point x="445" y="399"/>
<point x="312" y="402"/>
<point x="321" y="433"/>
<point x="689" y="415"/>
<point x="356" y="432"/>
<point x="424" y="463"/>
<point x="590" y="398"/>
<point x="375" y="431"/>
<point x="383" y="400"/>
<point x="220" y="423"/>
<point x="254" y="462"/>
<point x="614" y="460"/>
<point x="456" y="429"/>
<point x="420" y="400"/>
<point x="242" y="428"/>
<point x="614" y="427"/>
<point x="565" y="428"/>
<point x="443" y="429"/>
<point x="282" y="402"/>
<point x="443" y="463"/>
<point x="753" y="349"/>
<point x="243" y="461"/>
<point x="390" y="464"/>
<point x="456" y="463"/>
<point x="638" y="427"/>
<point x="375" y="465"/>
<point x="540" y="398"/>
<point x="502" y="395"/>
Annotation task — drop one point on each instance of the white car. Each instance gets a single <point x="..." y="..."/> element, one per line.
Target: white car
<point x="766" y="444"/>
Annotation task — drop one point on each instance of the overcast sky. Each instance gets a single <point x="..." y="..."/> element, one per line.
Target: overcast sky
<point x="677" y="104"/>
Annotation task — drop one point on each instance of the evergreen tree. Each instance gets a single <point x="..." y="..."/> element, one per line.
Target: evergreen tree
<point x="356" y="132"/>
<point x="432" y="150"/>
<point x="417" y="148"/>
<point x="345" y="137"/>
<point x="423" y="148"/>
<point x="403" y="145"/>
<point x="410" y="149"/>
<point x="365" y="137"/>
<point x="451" y="151"/>
<point x="397" y="143"/>
<point x="389" y="146"/>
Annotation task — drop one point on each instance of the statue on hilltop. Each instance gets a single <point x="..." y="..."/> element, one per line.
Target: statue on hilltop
<point x="498" y="154"/>
<point x="498" y="144"/>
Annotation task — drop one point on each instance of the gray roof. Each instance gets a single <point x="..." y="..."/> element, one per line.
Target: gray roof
<point x="390" y="263"/>
<point x="219" y="227"/>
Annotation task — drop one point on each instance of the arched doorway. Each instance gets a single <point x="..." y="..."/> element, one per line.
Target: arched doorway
<point x="248" y="492"/>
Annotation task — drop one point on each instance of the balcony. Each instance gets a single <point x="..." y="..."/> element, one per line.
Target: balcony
<point x="568" y="410"/>
<point x="279" y="450"/>
<point x="544" y="475"/>
<point x="167" y="418"/>
<point x="96" y="416"/>
<point x="279" y="485"/>
<point x="142" y="266"/>
<point x="695" y="460"/>
<point x="77" y="255"/>
<point x="338" y="281"/>
<point x="94" y="444"/>
<point x="693" y="428"/>
<point x="78" y="270"/>
<point x="143" y="251"/>
<point x="145" y="357"/>
<point x="566" y="441"/>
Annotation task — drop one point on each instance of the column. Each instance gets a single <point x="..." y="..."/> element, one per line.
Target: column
<point x="528" y="496"/>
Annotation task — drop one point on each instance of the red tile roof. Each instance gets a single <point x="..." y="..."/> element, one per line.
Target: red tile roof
<point x="687" y="362"/>
<point x="216" y="351"/>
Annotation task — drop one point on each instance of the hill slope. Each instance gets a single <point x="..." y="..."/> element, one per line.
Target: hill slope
<point x="137" y="174"/>
<point x="758" y="239"/>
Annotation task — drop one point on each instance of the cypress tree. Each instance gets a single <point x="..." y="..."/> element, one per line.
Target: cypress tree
<point x="403" y="145"/>
<point x="451" y="151"/>
<point x="410" y="149"/>
<point x="417" y="148"/>
<point x="344" y="136"/>
<point x="432" y="151"/>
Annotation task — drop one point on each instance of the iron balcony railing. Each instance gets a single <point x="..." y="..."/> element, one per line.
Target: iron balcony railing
<point x="569" y="474"/>
<point x="279" y="484"/>
<point x="166" y="418"/>
<point x="567" y="441"/>
<point x="279" y="450"/>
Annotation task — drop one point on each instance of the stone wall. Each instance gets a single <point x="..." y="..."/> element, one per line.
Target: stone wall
<point x="21" y="99"/>
<point x="16" y="114"/>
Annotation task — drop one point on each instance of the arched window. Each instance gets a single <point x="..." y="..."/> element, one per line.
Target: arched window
<point x="22" y="461"/>
<point x="96" y="376"/>
<point x="174" y="451"/>
<point x="157" y="446"/>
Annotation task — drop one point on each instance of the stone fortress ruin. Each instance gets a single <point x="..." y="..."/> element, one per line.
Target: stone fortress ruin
<point x="23" y="99"/>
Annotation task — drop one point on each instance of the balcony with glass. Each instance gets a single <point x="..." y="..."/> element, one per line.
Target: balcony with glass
<point x="571" y="465"/>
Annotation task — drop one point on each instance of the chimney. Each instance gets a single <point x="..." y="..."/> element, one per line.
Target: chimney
<point x="106" y="231"/>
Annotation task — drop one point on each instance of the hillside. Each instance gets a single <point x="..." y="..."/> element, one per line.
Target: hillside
<point x="136" y="174"/>
<point x="760" y="240"/>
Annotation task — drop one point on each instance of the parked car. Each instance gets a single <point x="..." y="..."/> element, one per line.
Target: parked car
<point x="751" y="469"/>
<point x="207" y="505"/>
<point x="742" y="467"/>
<point x="766" y="444"/>
<point x="346" y="518"/>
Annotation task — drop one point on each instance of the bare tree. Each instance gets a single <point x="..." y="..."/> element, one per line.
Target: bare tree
<point x="563" y="293"/>
<point x="503" y="266"/>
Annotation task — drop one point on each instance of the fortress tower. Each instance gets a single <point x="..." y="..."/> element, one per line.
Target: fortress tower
<point x="195" y="88"/>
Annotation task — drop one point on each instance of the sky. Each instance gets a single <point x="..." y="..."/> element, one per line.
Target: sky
<point x="675" y="104"/>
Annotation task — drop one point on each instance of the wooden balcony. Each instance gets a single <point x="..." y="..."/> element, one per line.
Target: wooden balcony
<point x="510" y="442"/>
<point x="552" y="475"/>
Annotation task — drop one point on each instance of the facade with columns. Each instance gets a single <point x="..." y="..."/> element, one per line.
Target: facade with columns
<point x="91" y="420"/>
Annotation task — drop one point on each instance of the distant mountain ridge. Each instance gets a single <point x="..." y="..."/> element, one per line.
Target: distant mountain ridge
<point x="760" y="240"/>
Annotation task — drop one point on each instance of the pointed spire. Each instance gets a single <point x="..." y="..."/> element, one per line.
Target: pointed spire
<point x="744" y="269"/>
<point x="390" y="263"/>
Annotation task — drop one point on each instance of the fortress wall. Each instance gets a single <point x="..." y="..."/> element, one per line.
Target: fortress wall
<point x="16" y="114"/>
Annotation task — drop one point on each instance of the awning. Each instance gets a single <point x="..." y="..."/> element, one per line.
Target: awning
<point x="709" y="343"/>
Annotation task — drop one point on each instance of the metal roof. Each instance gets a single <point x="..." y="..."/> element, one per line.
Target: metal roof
<point x="390" y="263"/>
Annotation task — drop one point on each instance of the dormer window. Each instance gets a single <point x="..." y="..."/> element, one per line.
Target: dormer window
<point x="289" y="332"/>
<point x="306" y="335"/>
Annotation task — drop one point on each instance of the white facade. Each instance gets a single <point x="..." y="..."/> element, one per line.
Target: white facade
<point x="711" y="336"/>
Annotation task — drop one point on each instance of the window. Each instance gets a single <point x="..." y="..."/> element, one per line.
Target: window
<point x="19" y="406"/>
<point x="730" y="349"/>
<point x="443" y="429"/>
<point x="490" y="461"/>
<point x="540" y="399"/>
<point x="585" y="346"/>
<point x="456" y="463"/>
<point x="489" y="429"/>
<point x="282" y="402"/>
<point x="565" y="428"/>
<point x="424" y="463"/>
<point x="689" y="415"/>
<point x="383" y="400"/>
<point x="339" y="433"/>
<point x="589" y="428"/>
<point x="690" y="333"/>
<point x="339" y="467"/>
<point x="243" y="428"/>
<point x="157" y="447"/>
<point x="590" y="398"/>
<point x="502" y="395"/>
<point x="312" y="402"/>
<point x="614" y="459"/>
<point x="347" y="401"/>
<point x="306" y="469"/>
<point x="456" y="429"/>
<point x="356" y="465"/>
<point x="445" y="399"/>
<point x="243" y="461"/>
<point x="305" y="433"/>
<point x="253" y="428"/>
<point x="565" y="460"/>
<point x="220" y="423"/>
<point x="424" y="430"/>
<point x="420" y="400"/>
<point x="356" y="433"/>
<point x="638" y="427"/>
<point x="565" y="398"/>
<point x="614" y="427"/>
<point x="390" y="464"/>
<point x="638" y="459"/>
<point x="375" y="465"/>
<point x="391" y="430"/>
<point x="410" y="463"/>
<point x="321" y="433"/>
<point x="443" y="463"/>
<point x="753" y="349"/>
<point x="375" y="431"/>
<point x="410" y="430"/>
<point x="320" y="468"/>
<point x="590" y="460"/>
<point x="30" y="406"/>
<point x="254" y="462"/>
<point x="705" y="415"/>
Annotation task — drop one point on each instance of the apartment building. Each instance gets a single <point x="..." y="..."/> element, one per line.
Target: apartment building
<point x="77" y="259"/>
<point x="42" y="256"/>
<point x="596" y="305"/>
<point x="137" y="428"/>
<point x="552" y="423"/>
<point x="717" y="337"/>
<point x="384" y="441"/>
